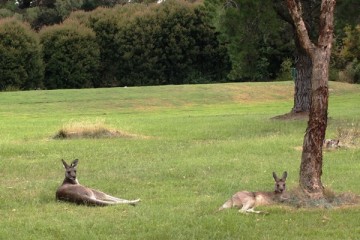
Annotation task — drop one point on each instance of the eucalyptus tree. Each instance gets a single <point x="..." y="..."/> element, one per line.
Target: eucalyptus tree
<point x="303" y="62"/>
<point x="312" y="21"/>
<point x="250" y="27"/>
<point x="320" y="51"/>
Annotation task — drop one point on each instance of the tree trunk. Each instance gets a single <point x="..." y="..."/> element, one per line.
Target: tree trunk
<point x="302" y="95"/>
<point x="312" y="158"/>
<point x="303" y="64"/>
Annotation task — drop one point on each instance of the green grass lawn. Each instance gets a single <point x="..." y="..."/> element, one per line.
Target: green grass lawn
<point x="191" y="148"/>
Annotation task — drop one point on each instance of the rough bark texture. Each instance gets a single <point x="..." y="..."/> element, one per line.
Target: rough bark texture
<point x="302" y="94"/>
<point x="312" y="158"/>
<point x="303" y="64"/>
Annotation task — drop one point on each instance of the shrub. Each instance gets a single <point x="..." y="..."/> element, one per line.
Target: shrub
<point x="351" y="73"/>
<point x="4" y="13"/>
<point x="71" y="56"/>
<point x="173" y="43"/>
<point x="347" y="56"/>
<point x="40" y="17"/>
<point x="105" y="23"/>
<point x="168" y="43"/>
<point x="351" y="47"/>
<point x="21" y="65"/>
<point x="285" y="70"/>
<point x="257" y="40"/>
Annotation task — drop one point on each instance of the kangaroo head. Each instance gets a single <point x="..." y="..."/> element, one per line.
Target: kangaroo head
<point x="70" y="171"/>
<point x="280" y="185"/>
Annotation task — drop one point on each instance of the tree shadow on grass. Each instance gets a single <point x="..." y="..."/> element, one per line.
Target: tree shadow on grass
<point x="292" y="116"/>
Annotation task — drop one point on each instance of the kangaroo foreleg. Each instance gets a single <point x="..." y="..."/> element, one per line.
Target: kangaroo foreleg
<point x="251" y="210"/>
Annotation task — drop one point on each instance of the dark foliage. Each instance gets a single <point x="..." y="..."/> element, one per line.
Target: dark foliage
<point x="21" y="65"/>
<point x="71" y="56"/>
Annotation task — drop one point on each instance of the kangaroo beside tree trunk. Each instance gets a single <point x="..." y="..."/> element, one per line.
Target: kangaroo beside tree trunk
<point x="320" y="52"/>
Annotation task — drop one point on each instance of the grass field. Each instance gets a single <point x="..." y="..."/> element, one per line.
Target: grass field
<point x="187" y="150"/>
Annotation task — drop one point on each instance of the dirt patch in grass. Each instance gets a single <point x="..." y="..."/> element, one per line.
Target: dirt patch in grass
<point x="255" y="92"/>
<point x="91" y="130"/>
<point x="298" y="199"/>
<point x="349" y="136"/>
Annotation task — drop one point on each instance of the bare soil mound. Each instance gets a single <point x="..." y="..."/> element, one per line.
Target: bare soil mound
<point x="90" y="130"/>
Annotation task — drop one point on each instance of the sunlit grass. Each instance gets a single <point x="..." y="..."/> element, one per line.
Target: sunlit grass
<point x="194" y="146"/>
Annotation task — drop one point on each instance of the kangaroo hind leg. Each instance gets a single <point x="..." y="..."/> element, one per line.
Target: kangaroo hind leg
<point x="120" y="200"/>
<point x="248" y="207"/>
<point x="113" y="200"/>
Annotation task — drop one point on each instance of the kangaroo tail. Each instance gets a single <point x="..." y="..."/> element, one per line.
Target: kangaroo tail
<point x="227" y="204"/>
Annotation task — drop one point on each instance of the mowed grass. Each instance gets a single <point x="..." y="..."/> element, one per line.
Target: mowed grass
<point x="191" y="148"/>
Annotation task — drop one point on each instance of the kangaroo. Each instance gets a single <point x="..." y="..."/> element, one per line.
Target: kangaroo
<point x="72" y="191"/>
<point x="331" y="143"/>
<point x="247" y="201"/>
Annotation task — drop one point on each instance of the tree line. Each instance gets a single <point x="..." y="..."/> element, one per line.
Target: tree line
<point x="126" y="45"/>
<point x="102" y="43"/>
<point x="262" y="44"/>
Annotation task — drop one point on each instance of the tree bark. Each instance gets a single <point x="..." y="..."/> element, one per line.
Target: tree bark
<point x="303" y="63"/>
<point x="312" y="158"/>
<point x="302" y="91"/>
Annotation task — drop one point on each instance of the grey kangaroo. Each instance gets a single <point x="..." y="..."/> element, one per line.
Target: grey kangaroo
<point x="331" y="143"/>
<point x="247" y="201"/>
<point x="71" y="191"/>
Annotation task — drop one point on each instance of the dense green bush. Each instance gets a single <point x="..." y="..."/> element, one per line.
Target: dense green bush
<point x="128" y="45"/>
<point x="257" y="40"/>
<point x="186" y="46"/>
<point x="168" y="43"/>
<point x="106" y="23"/>
<point x="21" y="65"/>
<point x="346" y="57"/>
<point x="71" y="56"/>
<point x="351" y="72"/>
<point x="40" y="17"/>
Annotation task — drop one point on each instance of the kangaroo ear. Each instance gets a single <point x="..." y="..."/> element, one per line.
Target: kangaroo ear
<point x="74" y="163"/>
<point x="275" y="177"/>
<point x="284" y="176"/>
<point x="65" y="164"/>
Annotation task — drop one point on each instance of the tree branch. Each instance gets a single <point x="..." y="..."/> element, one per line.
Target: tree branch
<point x="280" y="9"/>
<point x="294" y="8"/>
<point x="326" y="23"/>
